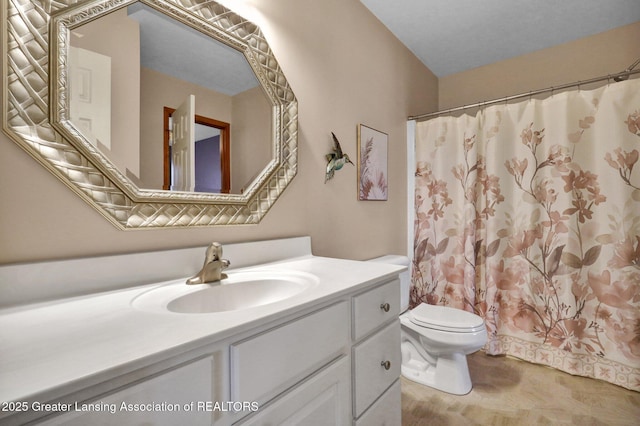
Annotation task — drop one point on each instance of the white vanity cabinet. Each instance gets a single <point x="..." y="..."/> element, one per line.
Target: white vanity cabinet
<point x="360" y="387"/>
<point x="328" y="357"/>
<point x="338" y="364"/>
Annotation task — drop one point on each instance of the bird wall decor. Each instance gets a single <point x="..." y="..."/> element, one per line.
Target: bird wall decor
<point x="336" y="159"/>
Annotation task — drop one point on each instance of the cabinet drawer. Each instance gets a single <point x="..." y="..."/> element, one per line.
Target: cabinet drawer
<point x="265" y="365"/>
<point x="375" y="307"/>
<point x="371" y="377"/>
<point x="386" y="411"/>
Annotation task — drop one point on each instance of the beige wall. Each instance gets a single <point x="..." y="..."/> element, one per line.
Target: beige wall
<point x="345" y="68"/>
<point x="603" y="54"/>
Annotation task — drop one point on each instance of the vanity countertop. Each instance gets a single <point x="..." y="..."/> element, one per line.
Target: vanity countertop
<point x="49" y="349"/>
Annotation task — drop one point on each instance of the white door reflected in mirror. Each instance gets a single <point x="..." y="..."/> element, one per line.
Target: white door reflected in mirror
<point x="183" y="176"/>
<point x="90" y="102"/>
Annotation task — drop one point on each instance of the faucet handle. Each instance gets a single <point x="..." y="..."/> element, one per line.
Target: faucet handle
<point x="214" y="252"/>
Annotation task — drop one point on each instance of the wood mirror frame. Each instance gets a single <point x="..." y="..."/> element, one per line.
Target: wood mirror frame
<point x="35" y="114"/>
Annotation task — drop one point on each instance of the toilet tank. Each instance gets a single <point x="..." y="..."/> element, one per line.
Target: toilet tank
<point x="405" y="279"/>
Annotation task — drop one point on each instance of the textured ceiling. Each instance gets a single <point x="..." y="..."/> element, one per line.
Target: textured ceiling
<point x="172" y="48"/>
<point x="451" y="36"/>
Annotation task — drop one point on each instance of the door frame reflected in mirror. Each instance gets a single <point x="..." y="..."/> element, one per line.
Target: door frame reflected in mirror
<point x="225" y="147"/>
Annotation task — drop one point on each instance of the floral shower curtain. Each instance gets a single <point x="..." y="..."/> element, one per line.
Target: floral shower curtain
<point x="528" y="215"/>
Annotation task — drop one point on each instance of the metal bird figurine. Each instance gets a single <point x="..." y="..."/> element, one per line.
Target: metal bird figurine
<point x="336" y="159"/>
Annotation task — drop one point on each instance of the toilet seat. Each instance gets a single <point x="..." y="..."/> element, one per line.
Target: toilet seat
<point x="446" y="319"/>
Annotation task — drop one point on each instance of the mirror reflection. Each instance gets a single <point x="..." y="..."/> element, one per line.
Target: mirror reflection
<point x="144" y="87"/>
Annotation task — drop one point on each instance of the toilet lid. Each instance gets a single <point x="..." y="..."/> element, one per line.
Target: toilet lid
<point x="445" y="318"/>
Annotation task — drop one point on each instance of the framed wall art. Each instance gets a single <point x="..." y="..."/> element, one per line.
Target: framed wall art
<point x="372" y="164"/>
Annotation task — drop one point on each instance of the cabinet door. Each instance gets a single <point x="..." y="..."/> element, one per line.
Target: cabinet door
<point x="386" y="411"/>
<point x="163" y="400"/>
<point x="323" y="399"/>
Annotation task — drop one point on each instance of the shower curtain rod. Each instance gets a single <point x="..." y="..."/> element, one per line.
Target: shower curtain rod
<point x="616" y="77"/>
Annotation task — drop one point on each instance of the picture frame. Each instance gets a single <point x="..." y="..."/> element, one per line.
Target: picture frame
<point x="372" y="164"/>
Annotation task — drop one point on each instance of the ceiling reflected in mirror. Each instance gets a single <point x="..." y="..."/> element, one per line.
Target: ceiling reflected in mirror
<point x="172" y="48"/>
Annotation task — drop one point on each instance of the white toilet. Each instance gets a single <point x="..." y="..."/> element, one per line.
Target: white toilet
<point x="436" y="340"/>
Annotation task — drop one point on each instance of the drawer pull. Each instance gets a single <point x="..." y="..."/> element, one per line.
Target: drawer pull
<point x="385" y="307"/>
<point x="386" y="364"/>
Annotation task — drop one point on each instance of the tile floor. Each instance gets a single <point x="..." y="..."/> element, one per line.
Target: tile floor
<point x="508" y="391"/>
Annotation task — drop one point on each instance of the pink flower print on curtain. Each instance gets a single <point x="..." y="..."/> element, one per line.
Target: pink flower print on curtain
<point x="529" y="215"/>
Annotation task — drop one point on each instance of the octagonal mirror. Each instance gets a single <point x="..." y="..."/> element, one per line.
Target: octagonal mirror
<point x="126" y="106"/>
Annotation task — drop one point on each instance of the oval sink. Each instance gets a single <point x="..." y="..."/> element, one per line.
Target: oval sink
<point x="242" y="290"/>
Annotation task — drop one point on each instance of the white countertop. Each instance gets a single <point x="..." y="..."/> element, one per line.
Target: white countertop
<point x="50" y="349"/>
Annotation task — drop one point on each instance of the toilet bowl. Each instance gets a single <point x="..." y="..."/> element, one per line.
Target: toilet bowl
<point x="436" y="340"/>
<point x="435" y="343"/>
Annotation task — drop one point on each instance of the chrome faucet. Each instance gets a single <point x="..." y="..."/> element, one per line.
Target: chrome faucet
<point x="213" y="265"/>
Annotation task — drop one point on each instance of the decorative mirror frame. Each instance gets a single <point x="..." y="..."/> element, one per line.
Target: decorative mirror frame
<point x="35" y="36"/>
